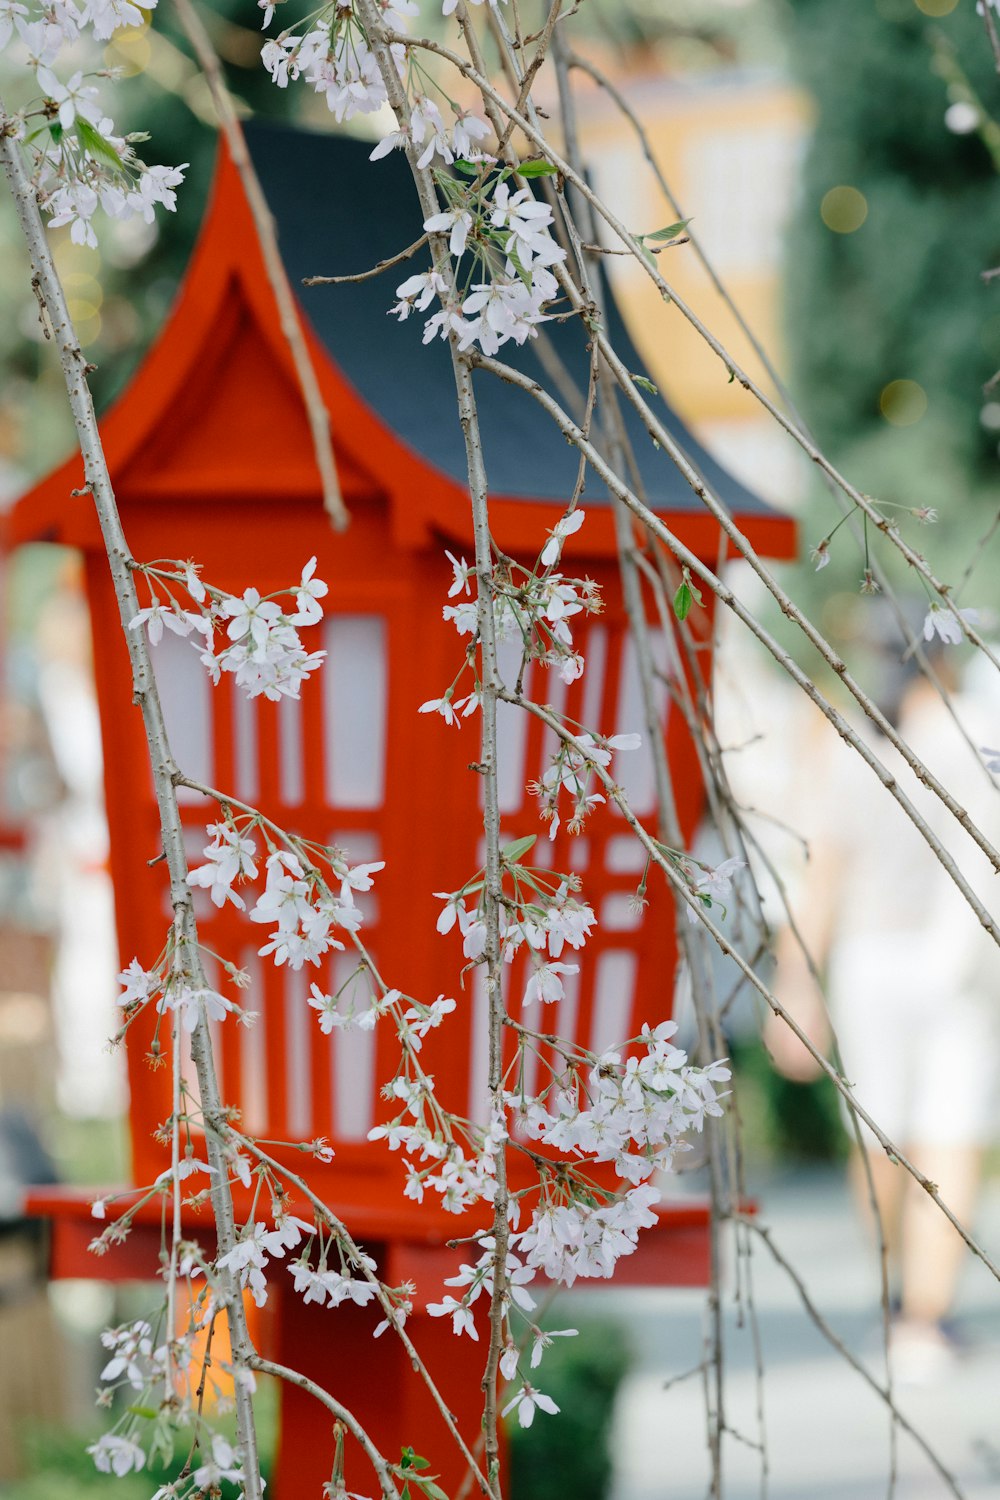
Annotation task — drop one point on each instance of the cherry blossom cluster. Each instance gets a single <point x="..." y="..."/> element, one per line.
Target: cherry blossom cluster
<point x="500" y="239"/>
<point x="502" y="248"/>
<point x="630" y="1108"/>
<point x="333" y="56"/>
<point x="539" y="915"/>
<point x="80" y="162"/>
<point x="532" y="609"/>
<point x="264" y="654"/>
<point x="154" y="1379"/>
<point x="571" y="770"/>
<point x="303" y="903"/>
<point x="433" y="138"/>
<point x="256" y="1246"/>
<point x="461" y="1175"/>
<point x="172" y="990"/>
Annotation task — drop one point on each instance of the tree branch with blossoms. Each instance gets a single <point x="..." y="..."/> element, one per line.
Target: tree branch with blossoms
<point x="49" y="291"/>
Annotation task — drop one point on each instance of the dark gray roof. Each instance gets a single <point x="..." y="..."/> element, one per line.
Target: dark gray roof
<point x="339" y="213"/>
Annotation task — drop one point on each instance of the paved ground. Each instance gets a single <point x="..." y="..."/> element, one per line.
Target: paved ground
<point x="827" y="1432"/>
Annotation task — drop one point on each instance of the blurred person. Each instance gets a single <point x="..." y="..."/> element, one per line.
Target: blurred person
<point x="913" y="982"/>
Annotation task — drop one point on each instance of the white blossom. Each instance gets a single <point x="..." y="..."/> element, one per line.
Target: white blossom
<point x="139" y="983"/>
<point x="945" y="621"/>
<point x="527" y="1402"/>
<point x="569" y="524"/>
<point x="114" y="1454"/>
<point x="230" y="857"/>
<point x="224" y="1463"/>
<point x="192" y="1003"/>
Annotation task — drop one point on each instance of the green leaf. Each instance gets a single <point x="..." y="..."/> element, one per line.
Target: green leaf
<point x="683" y="600"/>
<point x="405" y="1492"/>
<point x="469" y="168"/>
<point x="512" y="853"/>
<point x="149" y="1412"/>
<point x="434" y="1491"/>
<point x="510" y="250"/>
<point x="647" y="385"/>
<point x="537" y="168"/>
<point x="94" y="143"/>
<point x="670" y="233"/>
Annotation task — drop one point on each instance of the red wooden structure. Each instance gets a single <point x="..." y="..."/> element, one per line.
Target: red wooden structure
<point x="210" y="452"/>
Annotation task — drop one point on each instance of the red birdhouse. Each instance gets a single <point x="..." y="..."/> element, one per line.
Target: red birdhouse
<point x="211" y="457"/>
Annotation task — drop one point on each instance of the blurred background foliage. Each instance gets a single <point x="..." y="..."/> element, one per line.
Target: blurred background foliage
<point x="572" y="1456"/>
<point x="891" y="331"/>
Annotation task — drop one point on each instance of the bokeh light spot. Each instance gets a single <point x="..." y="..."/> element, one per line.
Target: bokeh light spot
<point x="936" y="7"/>
<point x="843" y="209"/>
<point x="903" y="402"/>
<point x="129" y="51"/>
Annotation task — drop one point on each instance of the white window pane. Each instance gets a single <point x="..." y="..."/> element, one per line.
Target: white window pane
<point x="353" y="1060"/>
<point x="614" y="988"/>
<point x="354" y="703"/>
<point x="633" y="769"/>
<point x="185" y="694"/>
<point x="618" y="913"/>
<point x="624" y="855"/>
<point x="512" y="731"/>
<point x="245" y="740"/>
<point x="568" y="1008"/>
<point x="300" y="1035"/>
<point x="290" y="751"/>
<point x="596" y="654"/>
<point x="579" y="853"/>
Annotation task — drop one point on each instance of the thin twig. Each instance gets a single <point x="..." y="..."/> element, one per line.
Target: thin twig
<point x="376" y="270"/>
<point x="883" y="1392"/>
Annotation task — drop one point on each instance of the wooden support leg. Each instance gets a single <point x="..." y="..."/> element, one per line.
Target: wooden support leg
<point x="374" y="1379"/>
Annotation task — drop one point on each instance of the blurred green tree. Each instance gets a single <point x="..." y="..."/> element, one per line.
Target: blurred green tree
<point x="891" y="328"/>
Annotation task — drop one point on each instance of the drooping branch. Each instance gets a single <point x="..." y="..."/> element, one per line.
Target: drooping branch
<point x="658" y="528"/>
<point x="683" y="893"/>
<point x="48" y="289"/>
<point x="862" y="501"/>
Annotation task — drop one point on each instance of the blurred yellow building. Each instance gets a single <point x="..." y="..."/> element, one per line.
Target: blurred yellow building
<point x="729" y="146"/>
